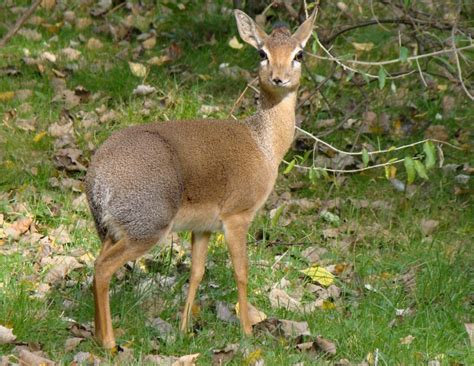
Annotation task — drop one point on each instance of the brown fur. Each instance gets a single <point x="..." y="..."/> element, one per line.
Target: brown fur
<point x="198" y="175"/>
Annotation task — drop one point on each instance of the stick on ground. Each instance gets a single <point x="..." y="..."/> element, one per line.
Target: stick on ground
<point x="19" y="23"/>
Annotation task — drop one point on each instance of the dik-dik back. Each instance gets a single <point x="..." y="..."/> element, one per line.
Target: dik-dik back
<point x="198" y="175"/>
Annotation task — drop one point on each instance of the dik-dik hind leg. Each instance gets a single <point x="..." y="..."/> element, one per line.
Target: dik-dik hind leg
<point x="235" y="229"/>
<point x="199" y="242"/>
<point x="110" y="259"/>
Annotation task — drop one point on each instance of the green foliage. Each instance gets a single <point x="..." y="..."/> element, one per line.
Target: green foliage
<point x="410" y="169"/>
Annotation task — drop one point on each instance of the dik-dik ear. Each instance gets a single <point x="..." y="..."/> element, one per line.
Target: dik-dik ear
<point x="303" y="33"/>
<point x="249" y="31"/>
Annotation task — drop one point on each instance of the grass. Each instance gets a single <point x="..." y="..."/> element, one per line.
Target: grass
<point x="387" y="243"/>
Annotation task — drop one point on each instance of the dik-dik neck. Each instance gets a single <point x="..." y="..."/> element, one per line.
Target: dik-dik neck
<point x="274" y="123"/>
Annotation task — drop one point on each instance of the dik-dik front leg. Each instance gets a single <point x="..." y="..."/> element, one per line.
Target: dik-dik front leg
<point x="235" y="229"/>
<point x="199" y="242"/>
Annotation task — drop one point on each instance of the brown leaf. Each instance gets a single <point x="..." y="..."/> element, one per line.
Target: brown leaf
<point x="294" y="329"/>
<point x="94" y="44"/>
<point x="142" y="90"/>
<point x="59" y="130"/>
<point x="70" y="54"/>
<point x="437" y="132"/>
<point x="255" y="316"/>
<point x="149" y="43"/>
<point x="30" y="359"/>
<point x="80" y="330"/>
<point x="72" y="343"/>
<point x="164" y="328"/>
<point x="326" y="345"/>
<point x="407" y="340"/>
<point x="48" y="56"/>
<point x="61" y="266"/>
<point x="83" y="23"/>
<point x="428" y="227"/>
<point x="224" y="313"/>
<point x="30" y="34"/>
<point x="60" y="235"/>
<point x="188" y="360"/>
<point x="68" y="159"/>
<point x="48" y="4"/>
<point x="19" y="227"/>
<point x="224" y="355"/>
<point x="279" y="299"/>
<point x="6" y="335"/>
<point x="158" y="60"/>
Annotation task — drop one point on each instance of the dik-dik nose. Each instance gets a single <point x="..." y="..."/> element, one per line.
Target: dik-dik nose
<point x="278" y="81"/>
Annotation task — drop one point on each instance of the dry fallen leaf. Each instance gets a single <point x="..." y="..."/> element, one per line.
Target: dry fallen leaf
<point x="19" y="227"/>
<point x="188" y="360"/>
<point x="94" y="44"/>
<point x="138" y="69"/>
<point x="294" y="329"/>
<point x="31" y="359"/>
<point x="71" y="54"/>
<point x="407" y="340"/>
<point x="6" y="335"/>
<point x="60" y="235"/>
<point x="164" y="328"/>
<point x="48" y="56"/>
<point x="83" y="23"/>
<point x="68" y="159"/>
<point x="72" y="343"/>
<point x="158" y="60"/>
<point x="224" y="313"/>
<point x="26" y="124"/>
<point x="437" y="132"/>
<point x="255" y="316"/>
<point x="326" y="345"/>
<point x="224" y="355"/>
<point x="363" y="47"/>
<point x="149" y="43"/>
<point x="207" y="109"/>
<point x="61" y="266"/>
<point x="234" y="43"/>
<point x="279" y="299"/>
<point x="142" y="90"/>
<point x="428" y="227"/>
<point x="319" y="274"/>
<point x="30" y="34"/>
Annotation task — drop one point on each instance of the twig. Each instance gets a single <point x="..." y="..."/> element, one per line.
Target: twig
<point x="393" y="61"/>
<point x="348" y="170"/>
<point x="458" y="65"/>
<point x="241" y="96"/>
<point x="421" y="73"/>
<point x="366" y="24"/>
<point x="377" y="151"/>
<point x="345" y="67"/>
<point x="19" y="23"/>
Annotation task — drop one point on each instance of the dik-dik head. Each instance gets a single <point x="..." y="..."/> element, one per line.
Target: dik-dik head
<point x="280" y="52"/>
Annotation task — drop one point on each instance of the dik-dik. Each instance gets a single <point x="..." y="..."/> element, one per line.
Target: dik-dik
<point x="198" y="175"/>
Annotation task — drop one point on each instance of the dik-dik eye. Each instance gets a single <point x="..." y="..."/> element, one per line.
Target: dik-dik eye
<point x="299" y="56"/>
<point x="263" y="55"/>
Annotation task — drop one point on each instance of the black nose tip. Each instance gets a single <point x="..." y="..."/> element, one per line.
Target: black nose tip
<point x="277" y="81"/>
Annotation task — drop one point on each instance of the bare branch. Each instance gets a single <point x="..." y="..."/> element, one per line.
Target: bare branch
<point x="19" y="23"/>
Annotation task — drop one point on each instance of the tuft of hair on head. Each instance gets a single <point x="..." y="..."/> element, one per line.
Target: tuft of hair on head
<point x="281" y="27"/>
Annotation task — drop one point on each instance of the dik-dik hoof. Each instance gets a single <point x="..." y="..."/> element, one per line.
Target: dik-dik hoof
<point x="107" y="343"/>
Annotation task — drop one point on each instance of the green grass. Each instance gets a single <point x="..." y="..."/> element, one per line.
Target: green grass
<point x="387" y="243"/>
